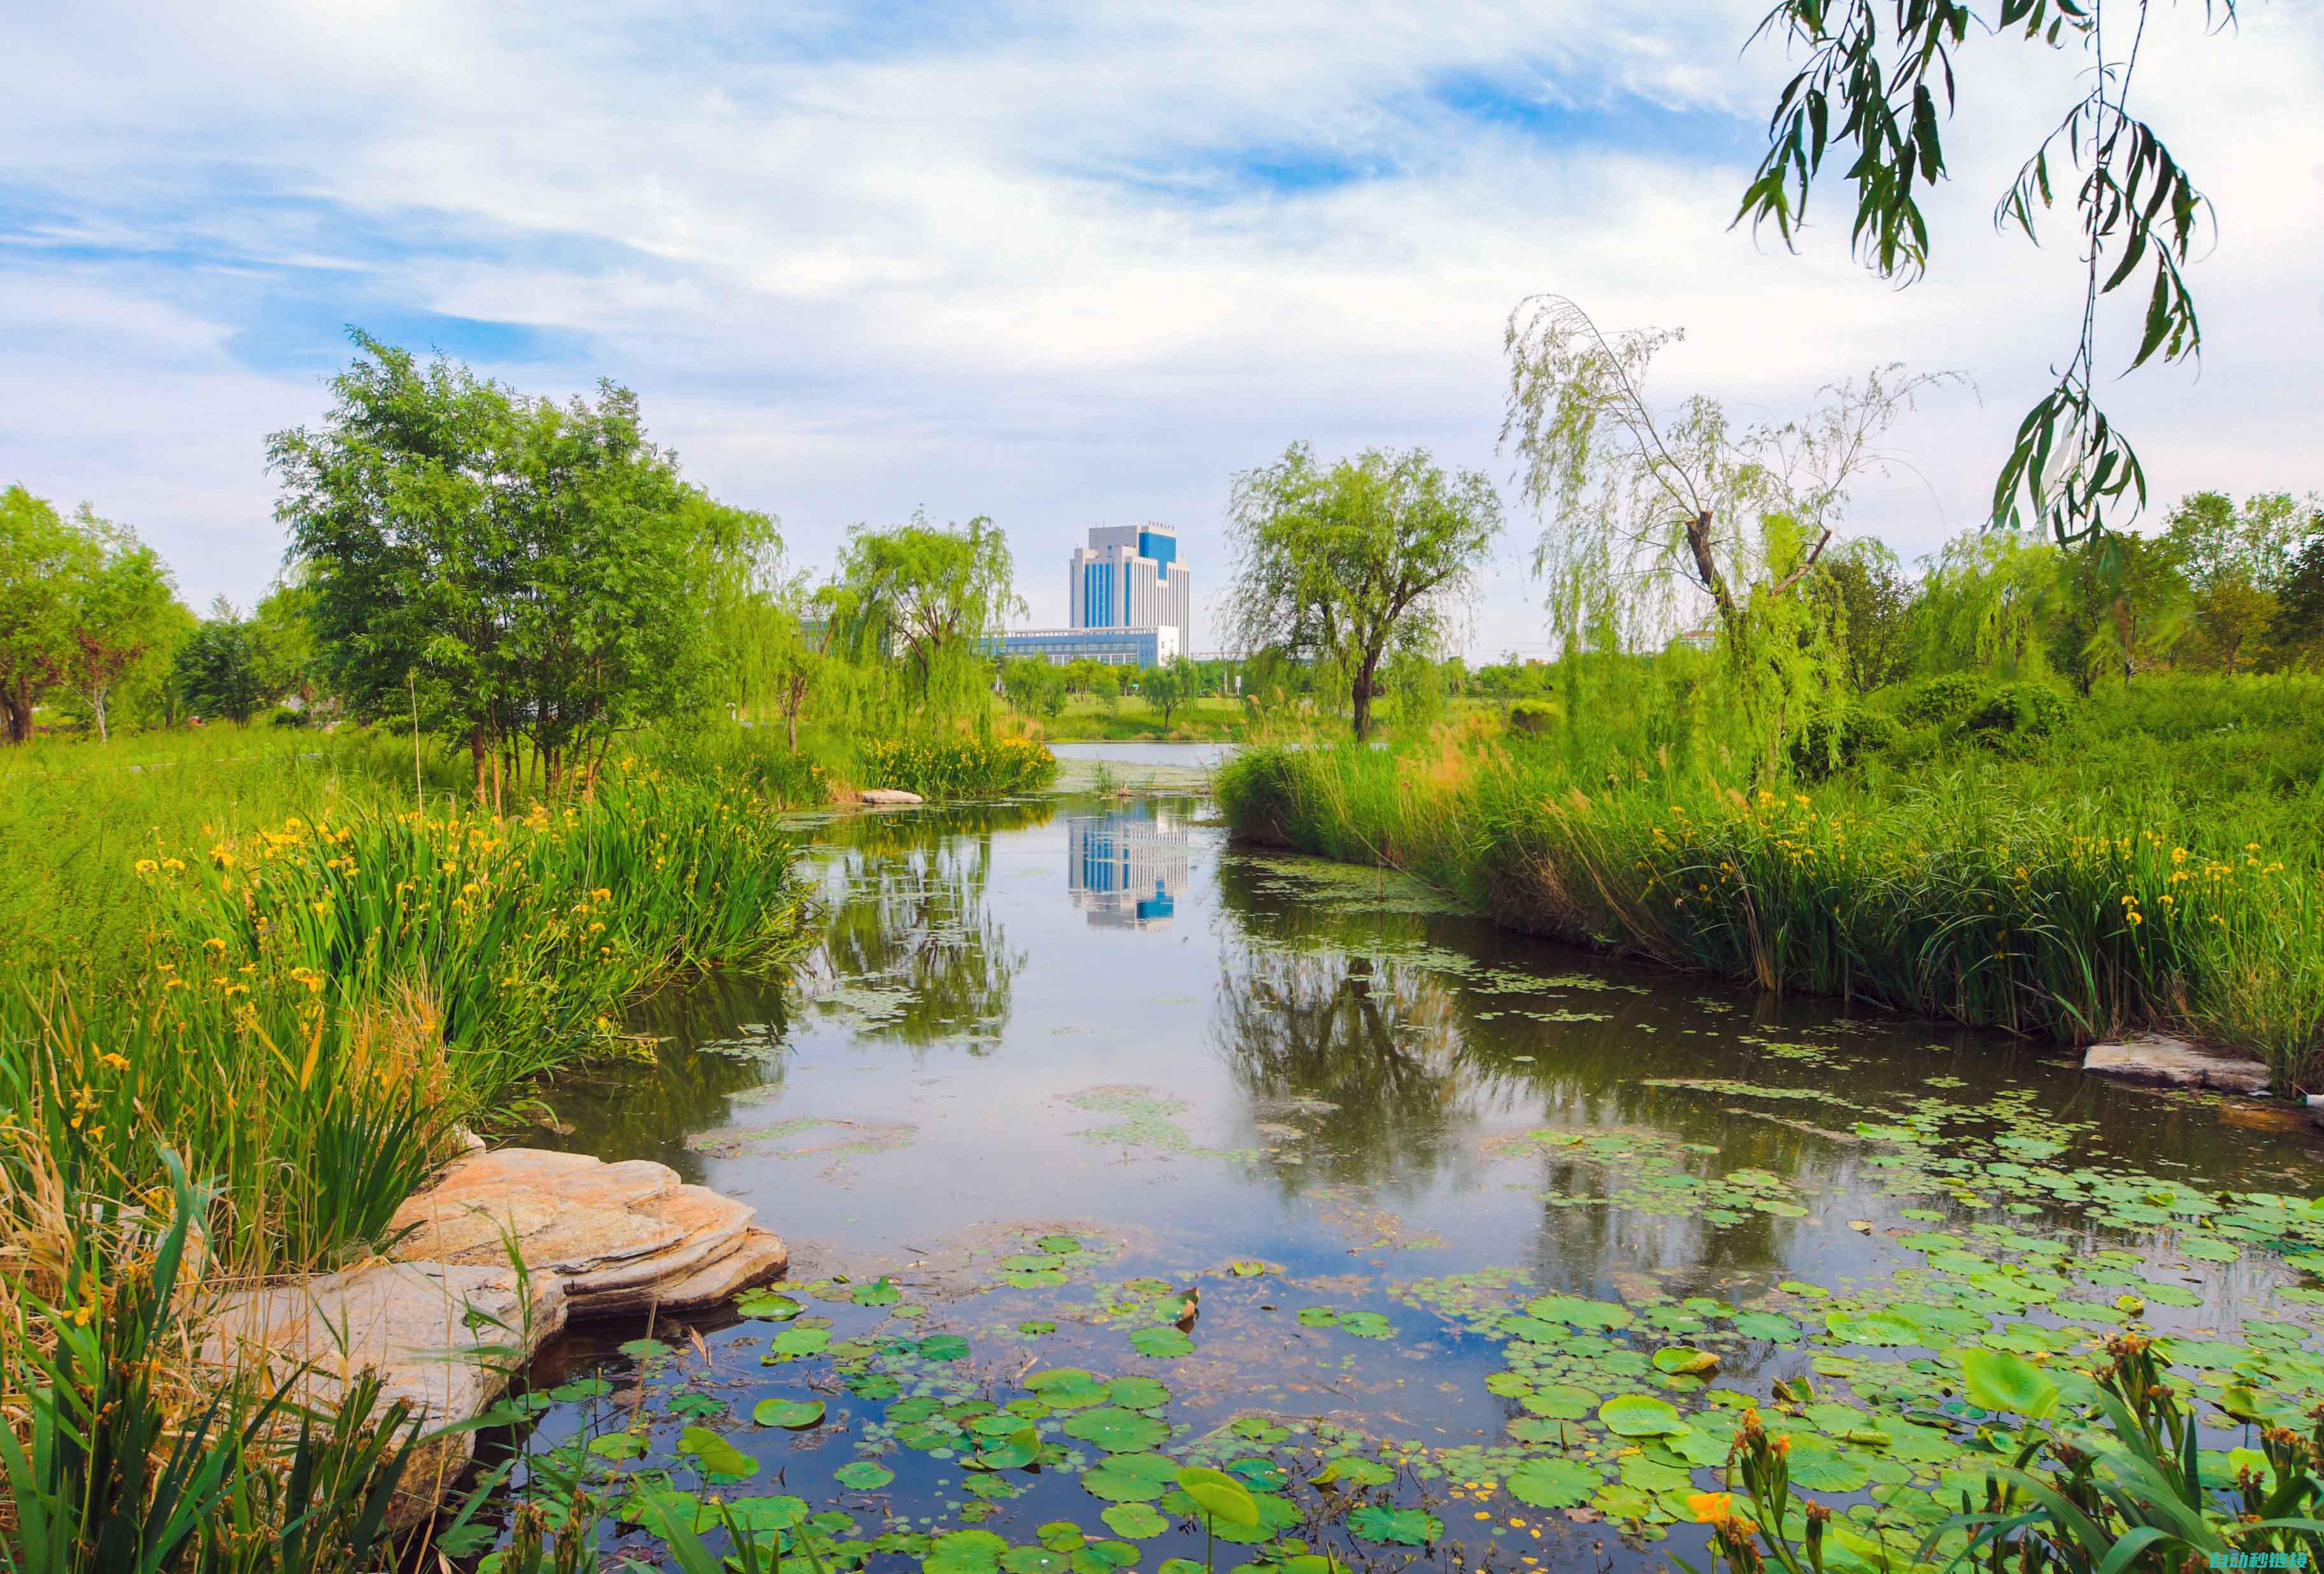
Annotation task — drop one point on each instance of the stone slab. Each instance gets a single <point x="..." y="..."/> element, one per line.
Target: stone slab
<point x="2158" y="1058"/>
<point x="753" y="1259"/>
<point x="443" y="1338"/>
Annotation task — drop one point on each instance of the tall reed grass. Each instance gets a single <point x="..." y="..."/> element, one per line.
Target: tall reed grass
<point x="1971" y="896"/>
<point x="320" y="1000"/>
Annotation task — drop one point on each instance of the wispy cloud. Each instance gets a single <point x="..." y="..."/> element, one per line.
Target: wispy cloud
<point x="1060" y="264"/>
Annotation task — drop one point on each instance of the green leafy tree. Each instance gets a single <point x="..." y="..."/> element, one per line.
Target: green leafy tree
<point x="219" y="668"/>
<point x="2235" y="560"/>
<point x="283" y="625"/>
<point x="1034" y="687"/>
<point x="118" y="610"/>
<point x="1348" y="564"/>
<point x="920" y="600"/>
<point x="1988" y="602"/>
<point x="1878" y="79"/>
<point x="1168" y="686"/>
<point x="40" y="556"/>
<point x="1872" y="602"/>
<point x="2121" y="607"/>
<point x="1650" y="511"/>
<point x="522" y="575"/>
<point x="2299" y="628"/>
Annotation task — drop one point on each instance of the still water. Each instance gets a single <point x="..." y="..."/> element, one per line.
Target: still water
<point x="1099" y="1140"/>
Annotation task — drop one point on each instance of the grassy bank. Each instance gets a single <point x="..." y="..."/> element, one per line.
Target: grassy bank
<point x="250" y="983"/>
<point x="2093" y="879"/>
<point x="296" y="978"/>
<point x="1132" y="718"/>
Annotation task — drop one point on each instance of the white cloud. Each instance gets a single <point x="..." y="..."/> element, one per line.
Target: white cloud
<point x="1013" y="261"/>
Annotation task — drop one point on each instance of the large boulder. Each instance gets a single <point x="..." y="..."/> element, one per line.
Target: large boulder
<point x="2178" y="1063"/>
<point x="621" y="1238"/>
<point x="444" y="1339"/>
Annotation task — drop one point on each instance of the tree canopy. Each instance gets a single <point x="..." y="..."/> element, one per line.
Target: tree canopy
<point x="925" y="598"/>
<point x="1344" y="564"/>
<point x="83" y="604"/>
<point x="514" y="570"/>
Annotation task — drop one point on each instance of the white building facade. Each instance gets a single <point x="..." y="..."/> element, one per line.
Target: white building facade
<point x="1129" y="576"/>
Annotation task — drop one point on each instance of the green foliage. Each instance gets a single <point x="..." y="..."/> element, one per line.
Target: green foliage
<point x="116" y="1472"/>
<point x="913" y="606"/>
<point x="2091" y="867"/>
<point x="957" y="768"/>
<point x="219" y="668"/>
<point x="84" y="606"/>
<point x="308" y="1036"/>
<point x="1348" y="564"/>
<point x="1874" y="80"/>
<point x="524" y="575"/>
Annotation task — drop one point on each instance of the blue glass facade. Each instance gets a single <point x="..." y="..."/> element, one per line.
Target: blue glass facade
<point x="1163" y="549"/>
<point x="1115" y="646"/>
<point x="1125" y="869"/>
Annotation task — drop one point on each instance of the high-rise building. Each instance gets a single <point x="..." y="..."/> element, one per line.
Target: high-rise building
<point x="1126" y="870"/>
<point x="1129" y="576"/>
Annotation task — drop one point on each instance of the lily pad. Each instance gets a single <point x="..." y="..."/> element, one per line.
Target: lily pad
<point x="1135" y="1393"/>
<point x="1138" y="1521"/>
<point x="1636" y="1416"/>
<point x="1068" y="1388"/>
<point x="1162" y="1344"/>
<point x="863" y="1476"/>
<point x="1553" y="1483"/>
<point x="1579" y="1313"/>
<point x="796" y="1414"/>
<point x="1353" y="1470"/>
<point x="1118" y="1430"/>
<point x="1403" y="1527"/>
<point x="1131" y="1477"/>
<point x="2000" y="1381"/>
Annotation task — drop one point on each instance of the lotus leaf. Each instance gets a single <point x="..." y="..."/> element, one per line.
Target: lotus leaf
<point x="1118" y="1430"/>
<point x="1634" y="1415"/>
<point x="797" y="1415"/>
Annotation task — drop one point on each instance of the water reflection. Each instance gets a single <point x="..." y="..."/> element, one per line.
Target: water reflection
<point x="1127" y="868"/>
<point x="1350" y="1034"/>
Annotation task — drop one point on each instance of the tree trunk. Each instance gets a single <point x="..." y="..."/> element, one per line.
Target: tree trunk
<point x="478" y="748"/>
<point x="1706" y="568"/>
<point x="16" y="704"/>
<point x="97" y="709"/>
<point x="1363" y="698"/>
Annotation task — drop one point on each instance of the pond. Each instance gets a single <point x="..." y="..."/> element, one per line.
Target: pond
<point x="1105" y="1147"/>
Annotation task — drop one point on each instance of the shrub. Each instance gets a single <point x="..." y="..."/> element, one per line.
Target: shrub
<point x="2023" y="710"/>
<point x="1534" y="716"/>
<point x="1832" y="744"/>
<point x="958" y="768"/>
<point x="1945" y="702"/>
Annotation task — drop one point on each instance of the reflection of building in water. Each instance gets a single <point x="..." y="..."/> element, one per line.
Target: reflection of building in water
<point x="1126" y="868"/>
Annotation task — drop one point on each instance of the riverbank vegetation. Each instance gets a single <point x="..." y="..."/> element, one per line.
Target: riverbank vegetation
<point x="288" y="899"/>
<point x="2063" y="790"/>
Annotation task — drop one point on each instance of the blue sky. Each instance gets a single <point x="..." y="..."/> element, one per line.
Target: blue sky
<point x="1064" y="265"/>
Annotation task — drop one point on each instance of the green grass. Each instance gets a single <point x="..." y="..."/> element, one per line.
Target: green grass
<point x="257" y="952"/>
<point x="1087" y="719"/>
<point x="2158" y="859"/>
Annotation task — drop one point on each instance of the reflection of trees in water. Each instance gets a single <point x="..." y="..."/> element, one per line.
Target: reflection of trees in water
<point x="644" y="1108"/>
<point x="909" y="915"/>
<point x="1380" y="1043"/>
<point x="1421" y="1062"/>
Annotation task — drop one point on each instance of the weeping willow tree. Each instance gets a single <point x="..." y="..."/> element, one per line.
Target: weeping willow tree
<point x="1656" y="516"/>
<point x="912" y="612"/>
